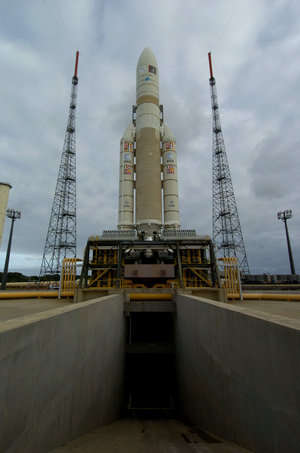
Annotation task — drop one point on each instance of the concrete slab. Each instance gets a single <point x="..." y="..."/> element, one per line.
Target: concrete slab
<point x="273" y="307"/>
<point x="61" y="374"/>
<point x="146" y="436"/>
<point x="16" y="308"/>
<point x="238" y="372"/>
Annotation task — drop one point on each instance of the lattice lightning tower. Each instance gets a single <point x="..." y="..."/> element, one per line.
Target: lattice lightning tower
<point x="227" y="232"/>
<point x="61" y="236"/>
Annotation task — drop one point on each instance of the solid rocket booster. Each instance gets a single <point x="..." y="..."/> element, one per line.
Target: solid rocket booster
<point x="170" y="179"/>
<point x="148" y="149"/>
<point x="126" y="182"/>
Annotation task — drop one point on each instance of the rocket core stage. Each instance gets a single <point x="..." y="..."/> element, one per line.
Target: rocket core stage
<point x="148" y="162"/>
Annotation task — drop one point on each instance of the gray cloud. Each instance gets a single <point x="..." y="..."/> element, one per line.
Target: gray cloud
<point x="274" y="171"/>
<point x="254" y="45"/>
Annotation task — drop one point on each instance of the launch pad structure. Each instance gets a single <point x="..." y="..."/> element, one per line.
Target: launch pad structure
<point x="61" y="239"/>
<point x="174" y="259"/>
<point x="149" y="250"/>
<point x="149" y="259"/>
<point x="227" y="231"/>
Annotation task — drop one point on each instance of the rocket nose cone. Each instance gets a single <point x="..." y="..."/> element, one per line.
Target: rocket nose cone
<point x="147" y="76"/>
<point x="147" y="58"/>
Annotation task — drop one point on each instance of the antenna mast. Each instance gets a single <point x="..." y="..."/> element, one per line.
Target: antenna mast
<point x="61" y="237"/>
<point x="227" y="232"/>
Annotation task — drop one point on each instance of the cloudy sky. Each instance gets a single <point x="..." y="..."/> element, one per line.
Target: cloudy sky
<point x="255" y="46"/>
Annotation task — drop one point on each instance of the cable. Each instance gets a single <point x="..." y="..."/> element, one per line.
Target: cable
<point x="227" y="24"/>
<point x="64" y="24"/>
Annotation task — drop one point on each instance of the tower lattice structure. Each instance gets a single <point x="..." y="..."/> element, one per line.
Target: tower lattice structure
<point x="61" y="236"/>
<point x="227" y="232"/>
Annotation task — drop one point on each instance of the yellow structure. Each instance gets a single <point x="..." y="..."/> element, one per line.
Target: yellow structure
<point x="178" y="259"/>
<point x="232" y="277"/>
<point x="68" y="274"/>
<point x="35" y="294"/>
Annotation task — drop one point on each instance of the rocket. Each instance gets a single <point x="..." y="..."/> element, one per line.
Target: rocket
<point x="148" y="186"/>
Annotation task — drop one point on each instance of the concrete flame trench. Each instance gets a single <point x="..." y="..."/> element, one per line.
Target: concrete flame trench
<point x="225" y="369"/>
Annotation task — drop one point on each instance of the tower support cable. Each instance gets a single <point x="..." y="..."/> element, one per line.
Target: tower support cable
<point x="61" y="236"/>
<point x="227" y="232"/>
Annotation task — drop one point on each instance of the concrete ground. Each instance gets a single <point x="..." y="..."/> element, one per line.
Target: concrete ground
<point x="15" y="308"/>
<point x="272" y="291"/>
<point x="146" y="436"/>
<point x="272" y="307"/>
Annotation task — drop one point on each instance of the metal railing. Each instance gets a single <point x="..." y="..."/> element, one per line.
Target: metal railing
<point x="232" y="277"/>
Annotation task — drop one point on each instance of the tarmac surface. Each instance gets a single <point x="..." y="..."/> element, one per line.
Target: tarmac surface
<point x="16" y="308"/>
<point x="272" y="307"/>
<point x="147" y="436"/>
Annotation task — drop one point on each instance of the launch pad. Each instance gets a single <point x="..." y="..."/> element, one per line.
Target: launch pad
<point x="173" y="259"/>
<point x="149" y="250"/>
<point x="149" y="259"/>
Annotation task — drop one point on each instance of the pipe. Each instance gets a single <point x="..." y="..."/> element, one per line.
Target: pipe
<point x="260" y="296"/>
<point x="147" y="296"/>
<point x="35" y="294"/>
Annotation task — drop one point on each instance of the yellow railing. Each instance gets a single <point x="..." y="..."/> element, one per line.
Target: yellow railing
<point x="68" y="274"/>
<point x="232" y="277"/>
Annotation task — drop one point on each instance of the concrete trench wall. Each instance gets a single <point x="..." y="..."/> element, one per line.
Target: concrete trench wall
<point x="239" y="374"/>
<point x="61" y="374"/>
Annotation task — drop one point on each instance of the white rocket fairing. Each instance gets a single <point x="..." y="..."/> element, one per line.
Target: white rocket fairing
<point x="148" y="151"/>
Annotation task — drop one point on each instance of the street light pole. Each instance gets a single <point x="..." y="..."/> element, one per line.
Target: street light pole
<point x="284" y="216"/>
<point x="13" y="215"/>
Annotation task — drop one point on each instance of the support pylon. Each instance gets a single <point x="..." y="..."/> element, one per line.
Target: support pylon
<point x="227" y="232"/>
<point x="61" y="237"/>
